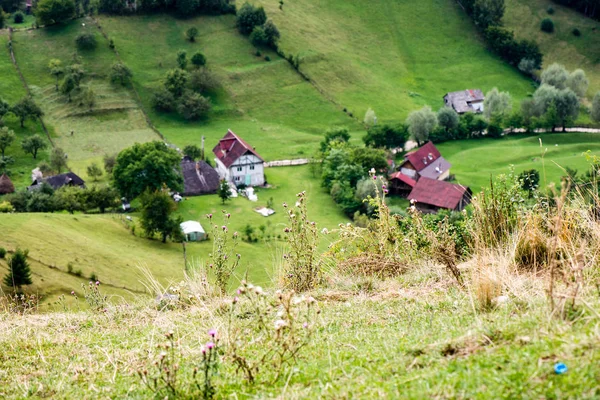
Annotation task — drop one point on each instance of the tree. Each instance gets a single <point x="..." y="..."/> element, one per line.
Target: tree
<point x="182" y="59"/>
<point x="86" y="41"/>
<point x="26" y="108"/>
<point x="547" y="25"/>
<point x="58" y="159"/>
<point x="341" y="135"/>
<point x="7" y="136"/>
<point x="527" y="65"/>
<point x="147" y="166"/>
<point x="496" y="103"/>
<point x="49" y="12"/>
<point x="421" y="123"/>
<point x="198" y="60"/>
<point x="33" y="144"/>
<point x="4" y="109"/>
<point x="186" y="8"/>
<point x="248" y="17"/>
<point x="156" y="217"/>
<point x="191" y="34"/>
<point x="19" y="272"/>
<point x="163" y="100"/>
<point x="203" y="80"/>
<point x="192" y="151"/>
<point x="193" y="106"/>
<point x="386" y="136"/>
<point x="370" y="118"/>
<point x="258" y="37"/>
<point x="5" y="162"/>
<point x="555" y="75"/>
<point x="89" y="98"/>
<point x="488" y="13"/>
<point x="567" y="105"/>
<point x="578" y="82"/>
<point x="120" y="73"/>
<point x="94" y="171"/>
<point x="101" y="198"/>
<point x="68" y="85"/>
<point x="109" y="162"/>
<point x="272" y="34"/>
<point x="542" y="98"/>
<point x="224" y="191"/>
<point x="56" y="70"/>
<point x="530" y="180"/>
<point x="595" y="113"/>
<point x="2" y="18"/>
<point x="175" y="81"/>
<point x="70" y="198"/>
<point x="447" y="118"/>
<point x="76" y="71"/>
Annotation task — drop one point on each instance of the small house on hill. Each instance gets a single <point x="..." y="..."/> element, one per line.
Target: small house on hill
<point x="238" y="162"/>
<point x="6" y="185"/>
<point x="193" y="231"/>
<point x="431" y="195"/>
<point x="470" y="100"/>
<point x="58" y="181"/>
<point x="425" y="162"/>
<point x="198" y="177"/>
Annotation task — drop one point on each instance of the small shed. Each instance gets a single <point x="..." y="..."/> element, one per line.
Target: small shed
<point x="6" y="185"/>
<point x="193" y="231"/>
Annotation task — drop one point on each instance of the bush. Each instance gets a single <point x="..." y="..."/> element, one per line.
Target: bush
<point x="258" y="36"/>
<point x="547" y="25"/>
<point x="267" y="58"/>
<point x="193" y="105"/>
<point x="203" y="80"/>
<point x="163" y="100"/>
<point x="191" y="34"/>
<point x="576" y="32"/>
<point x="111" y="44"/>
<point x="120" y="73"/>
<point x="50" y="12"/>
<point x="6" y="207"/>
<point x="550" y="10"/>
<point x="198" y="60"/>
<point x="18" y="17"/>
<point x="2" y="252"/>
<point x="86" y="41"/>
<point x="249" y="17"/>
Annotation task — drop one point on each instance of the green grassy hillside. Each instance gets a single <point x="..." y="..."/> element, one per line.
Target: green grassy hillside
<point x="393" y="56"/>
<point x="525" y="16"/>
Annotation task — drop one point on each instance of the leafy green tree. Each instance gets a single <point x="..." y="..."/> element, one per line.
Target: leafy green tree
<point x="33" y="144"/>
<point x="19" y="272"/>
<point x="76" y="71"/>
<point x="344" y="195"/>
<point x="7" y="136"/>
<point x="68" y="85"/>
<point x="120" y="73"/>
<point x="102" y="198"/>
<point x="496" y="103"/>
<point x="4" y="109"/>
<point x="182" y="60"/>
<point x="193" y="106"/>
<point x="147" y="166"/>
<point x="370" y="118"/>
<point x="192" y="151"/>
<point x="203" y="80"/>
<point x="163" y="100"/>
<point x="578" y="82"/>
<point x="547" y="25"/>
<point x="224" y="191"/>
<point x="368" y="158"/>
<point x="421" y="123"/>
<point x="86" y="41"/>
<point x="56" y="70"/>
<point x="2" y="18"/>
<point x="595" y="112"/>
<point x="249" y="17"/>
<point x="109" y="162"/>
<point x="175" y="81"/>
<point x="49" y="12"/>
<point x="488" y="13"/>
<point x="94" y="171"/>
<point x="567" y="104"/>
<point x="258" y="37"/>
<point x="58" y="159"/>
<point x="5" y="161"/>
<point x="555" y="75"/>
<point x="527" y="65"/>
<point x="447" y="119"/>
<point x="156" y="217"/>
<point x="191" y="34"/>
<point x="543" y="97"/>
<point x="198" y="60"/>
<point x="26" y="108"/>
<point x="386" y="136"/>
<point x="338" y="135"/>
<point x="89" y="98"/>
<point x="70" y="198"/>
<point x="530" y="181"/>
<point x="187" y="8"/>
<point x="272" y="34"/>
<point x="41" y="202"/>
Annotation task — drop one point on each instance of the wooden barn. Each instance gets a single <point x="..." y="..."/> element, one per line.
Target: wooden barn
<point x="58" y="181"/>
<point x="198" y="177"/>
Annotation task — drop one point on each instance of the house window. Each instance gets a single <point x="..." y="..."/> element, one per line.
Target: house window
<point x="239" y="169"/>
<point x="252" y="167"/>
<point x="237" y="178"/>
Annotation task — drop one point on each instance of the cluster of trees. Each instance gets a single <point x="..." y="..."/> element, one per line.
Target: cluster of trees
<point x="344" y="170"/>
<point x="50" y="12"/>
<point x="184" y="8"/>
<point x="253" y="21"/>
<point x="187" y="92"/>
<point x="487" y="16"/>
<point x="590" y="8"/>
<point x="67" y="198"/>
<point x="23" y="109"/>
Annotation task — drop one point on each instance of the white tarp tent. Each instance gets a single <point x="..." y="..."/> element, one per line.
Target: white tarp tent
<point x="193" y="231"/>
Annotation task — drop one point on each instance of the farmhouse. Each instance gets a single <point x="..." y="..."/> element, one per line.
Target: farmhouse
<point x="193" y="231"/>
<point x="198" y="177"/>
<point x="58" y="181"/>
<point x="430" y="195"/>
<point x="6" y="185"/>
<point x="238" y="162"/>
<point x="470" y="100"/>
<point x="425" y="162"/>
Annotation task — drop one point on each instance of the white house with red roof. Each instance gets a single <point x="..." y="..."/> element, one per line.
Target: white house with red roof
<point x="238" y="162"/>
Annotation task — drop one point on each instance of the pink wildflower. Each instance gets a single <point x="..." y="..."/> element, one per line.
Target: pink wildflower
<point x="212" y="332"/>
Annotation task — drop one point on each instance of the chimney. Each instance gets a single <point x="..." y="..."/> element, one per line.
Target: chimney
<point x="202" y="148"/>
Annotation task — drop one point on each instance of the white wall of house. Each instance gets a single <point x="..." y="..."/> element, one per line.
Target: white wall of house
<point x="409" y="172"/>
<point x="222" y="170"/>
<point x="444" y="176"/>
<point x="477" y="106"/>
<point x="248" y="170"/>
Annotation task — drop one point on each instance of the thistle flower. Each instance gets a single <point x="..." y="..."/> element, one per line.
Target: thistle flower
<point x="305" y="325"/>
<point x="280" y="324"/>
<point x="212" y="332"/>
<point x="209" y="216"/>
<point x="73" y="292"/>
<point x="97" y="283"/>
<point x="210" y="345"/>
<point x="258" y="290"/>
<point x="224" y="228"/>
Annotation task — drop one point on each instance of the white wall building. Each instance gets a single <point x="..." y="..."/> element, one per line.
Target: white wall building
<point x="238" y="162"/>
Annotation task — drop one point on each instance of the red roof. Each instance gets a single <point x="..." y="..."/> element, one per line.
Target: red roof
<point x="399" y="175"/>
<point x="232" y="147"/>
<point x="424" y="156"/>
<point x="438" y="193"/>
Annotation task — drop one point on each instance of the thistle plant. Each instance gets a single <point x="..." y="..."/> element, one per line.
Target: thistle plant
<point x="279" y="326"/>
<point x="161" y="376"/>
<point x="209" y="366"/>
<point x="95" y="299"/>
<point x="302" y="264"/>
<point x="223" y="259"/>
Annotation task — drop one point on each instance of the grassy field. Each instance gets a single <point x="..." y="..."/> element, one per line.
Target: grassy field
<point x="267" y="103"/>
<point x="474" y="161"/>
<point x="525" y="16"/>
<point x="394" y="56"/>
<point x="12" y="90"/>
<point x="116" y="121"/>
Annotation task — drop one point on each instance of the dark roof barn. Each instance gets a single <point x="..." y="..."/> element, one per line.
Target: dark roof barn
<point x="198" y="177"/>
<point x="431" y="195"/>
<point x="58" y="181"/>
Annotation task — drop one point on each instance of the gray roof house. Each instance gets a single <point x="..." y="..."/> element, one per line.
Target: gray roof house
<point x="470" y="100"/>
<point x="198" y="177"/>
<point x="58" y="181"/>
